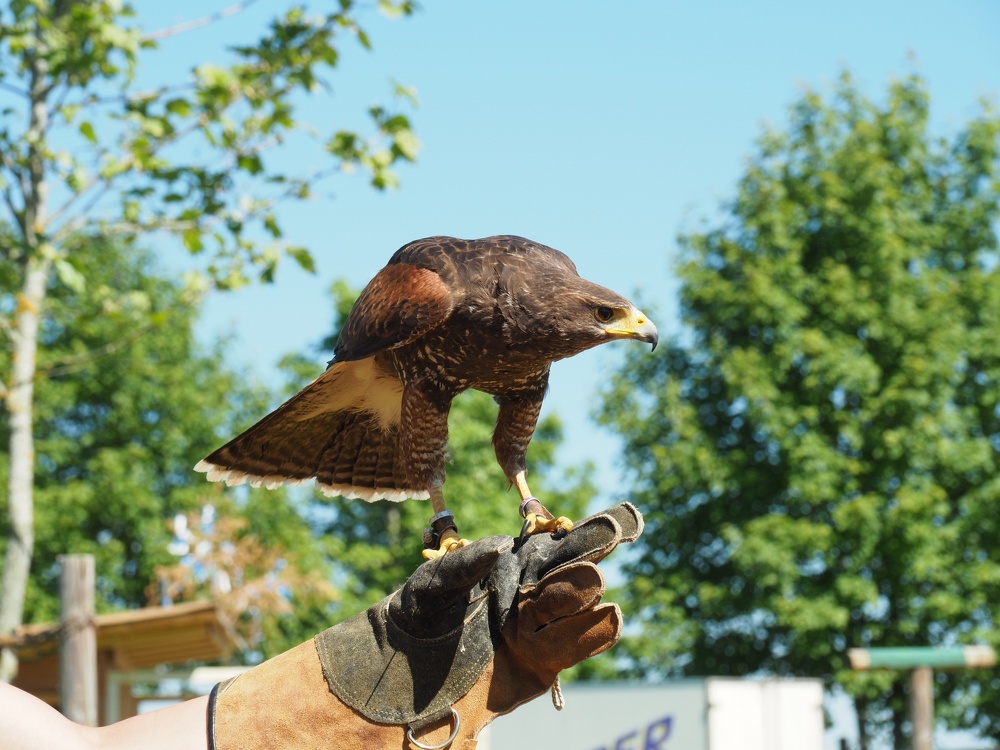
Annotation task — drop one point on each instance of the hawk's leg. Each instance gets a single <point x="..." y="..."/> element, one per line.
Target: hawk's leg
<point x="424" y="442"/>
<point x="537" y="518"/>
<point x="442" y="535"/>
<point x="516" y="422"/>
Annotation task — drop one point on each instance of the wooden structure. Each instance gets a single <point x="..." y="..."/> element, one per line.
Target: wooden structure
<point x="129" y="645"/>
<point x="920" y="661"/>
<point x="77" y="640"/>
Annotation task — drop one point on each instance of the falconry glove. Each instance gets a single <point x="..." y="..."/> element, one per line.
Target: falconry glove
<point x="471" y="635"/>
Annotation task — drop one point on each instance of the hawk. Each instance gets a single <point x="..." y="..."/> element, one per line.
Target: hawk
<point x="442" y="316"/>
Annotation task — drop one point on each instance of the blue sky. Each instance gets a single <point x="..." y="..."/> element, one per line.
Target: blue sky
<point x="602" y="129"/>
<point x="601" y="132"/>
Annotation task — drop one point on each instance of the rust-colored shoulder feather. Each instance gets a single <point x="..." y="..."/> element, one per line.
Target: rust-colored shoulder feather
<point x="400" y="304"/>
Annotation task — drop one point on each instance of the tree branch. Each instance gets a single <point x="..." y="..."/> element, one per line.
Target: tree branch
<point x="69" y="364"/>
<point x="7" y="163"/>
<point x="61" y="101"/>
<point x="11" y="206"/>
<point x="59" y="233"/>
<point x="64" y="208"/>
<point x="181" y="28"/>
<point x="93" y="100"/>
<point x="13" y="89"/>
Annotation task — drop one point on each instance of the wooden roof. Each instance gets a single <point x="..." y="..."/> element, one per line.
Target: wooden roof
<point x="144" y="638"/>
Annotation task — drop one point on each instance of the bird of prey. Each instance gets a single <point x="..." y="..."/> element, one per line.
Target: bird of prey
<point x="442" y="316"/>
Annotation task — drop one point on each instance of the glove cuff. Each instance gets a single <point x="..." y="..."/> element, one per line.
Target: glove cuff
<point x="391" y="677"/>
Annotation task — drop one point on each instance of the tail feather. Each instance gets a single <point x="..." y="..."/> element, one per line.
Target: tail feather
<point x="363" y="461"/>
<point x="347" y="448"/>
<point x="342" y="430"/>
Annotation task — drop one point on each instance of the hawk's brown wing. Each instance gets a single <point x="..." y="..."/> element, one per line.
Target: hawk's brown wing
<point x="342" y="429"/>
<point x="400" y="304"/>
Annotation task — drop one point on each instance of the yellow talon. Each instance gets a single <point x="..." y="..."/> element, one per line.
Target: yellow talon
<point x="534" y="524"/>
<point x="536" y="518"/>
<point x="450" y="542"/>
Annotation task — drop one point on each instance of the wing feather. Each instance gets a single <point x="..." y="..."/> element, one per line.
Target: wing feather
<point x="293" y="443"/>
<point x="400" y="304"/>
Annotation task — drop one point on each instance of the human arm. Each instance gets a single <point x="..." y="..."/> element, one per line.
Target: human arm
<point x="27" y="723"/>
<point x="471" y="636"/>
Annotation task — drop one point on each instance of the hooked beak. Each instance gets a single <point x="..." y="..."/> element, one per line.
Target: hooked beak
<point x="636" y="326"/>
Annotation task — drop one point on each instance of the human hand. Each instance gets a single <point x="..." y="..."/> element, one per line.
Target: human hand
<point x="469" y="637"/>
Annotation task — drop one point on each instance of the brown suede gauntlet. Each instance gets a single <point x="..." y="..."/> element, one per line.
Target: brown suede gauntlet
<point x="469" y="637"/>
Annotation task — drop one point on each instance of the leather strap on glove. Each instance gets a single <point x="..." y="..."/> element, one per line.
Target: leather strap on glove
<point x="470" y="636"/>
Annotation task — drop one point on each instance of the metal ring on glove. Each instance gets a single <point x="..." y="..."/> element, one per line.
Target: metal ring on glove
<point x="451" y="737"/>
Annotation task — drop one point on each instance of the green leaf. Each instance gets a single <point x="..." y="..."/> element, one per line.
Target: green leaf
<point x="69" y="276"/>
<point x="250" y="163"/>
<point x="179" y="107"/>
<point x="68" y="111"/>
<point x="407" y="144"/>
<point x="271" y="225"/>
<point x="192" y="240"/>
<point x="303" y="257"/>
<point x="87" y="131"/>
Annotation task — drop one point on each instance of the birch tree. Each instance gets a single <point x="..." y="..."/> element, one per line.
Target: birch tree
<point x="86" y="152"/>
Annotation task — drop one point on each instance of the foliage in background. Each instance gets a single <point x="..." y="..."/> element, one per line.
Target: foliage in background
<point x="87" y="153"/>
<point x="127" y="402"/>
<point x="261" y="585"/>
<point x="127" y="399"/>
<point x="817" y="456"/>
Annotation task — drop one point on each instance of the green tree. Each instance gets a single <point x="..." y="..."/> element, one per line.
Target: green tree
<point x="126" y="402"/>
<point x="375" y="546"/>
<point x="86" y="152"/>
<point x="817" y="454"/>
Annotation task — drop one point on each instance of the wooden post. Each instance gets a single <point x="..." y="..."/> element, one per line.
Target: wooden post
<point x="922" y="661"/>
<point x="78" y="640"/>
<point x="922" y="707"/>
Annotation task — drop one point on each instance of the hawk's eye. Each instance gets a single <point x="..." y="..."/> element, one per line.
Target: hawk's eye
<point x="604" y="314"/>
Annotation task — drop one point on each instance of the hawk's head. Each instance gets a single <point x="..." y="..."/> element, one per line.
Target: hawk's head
<point x="579" y="315"/>
<point x="600" y="315"/>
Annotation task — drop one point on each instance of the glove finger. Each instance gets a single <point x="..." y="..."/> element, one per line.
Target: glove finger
<point x="572" y="639"/>
<point x="458" y="570"/>
<point x="591" y="539"/>
<point x="442" y="585"/>
<point x="629" y="519"/>
<point x="574" y="588"/>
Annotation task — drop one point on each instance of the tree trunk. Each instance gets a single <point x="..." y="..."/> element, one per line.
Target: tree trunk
<point x="21" y="538"/>
<point x="20" y="392"/>
<point x="861" y="709"/>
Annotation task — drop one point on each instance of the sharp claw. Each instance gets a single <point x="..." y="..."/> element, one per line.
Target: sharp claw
<point x="525" y="530"/>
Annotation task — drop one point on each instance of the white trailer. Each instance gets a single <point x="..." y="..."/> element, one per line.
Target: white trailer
<point x="713" y="713"/>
